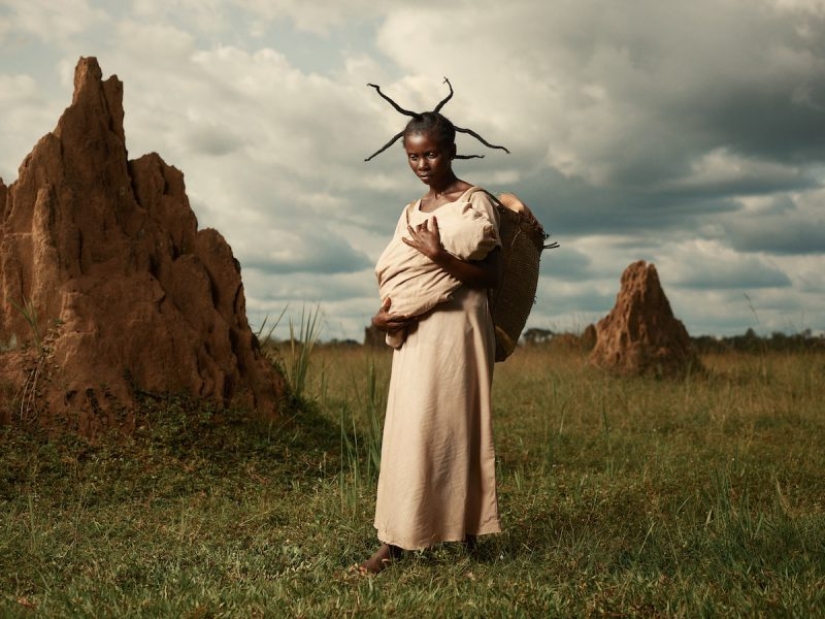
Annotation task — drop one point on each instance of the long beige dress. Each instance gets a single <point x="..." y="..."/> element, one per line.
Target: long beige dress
<point x="437" y="479"/>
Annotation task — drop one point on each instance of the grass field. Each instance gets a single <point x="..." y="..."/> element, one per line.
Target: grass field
<point x="702" y="497"/>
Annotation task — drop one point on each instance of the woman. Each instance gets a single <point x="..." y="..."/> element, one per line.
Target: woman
<point x="437" y="478"/>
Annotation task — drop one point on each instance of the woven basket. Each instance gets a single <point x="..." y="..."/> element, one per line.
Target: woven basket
<point x="522" y="241"/>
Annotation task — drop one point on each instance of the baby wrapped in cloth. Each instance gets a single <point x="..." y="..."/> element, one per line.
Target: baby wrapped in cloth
<point x="414" y="283"/>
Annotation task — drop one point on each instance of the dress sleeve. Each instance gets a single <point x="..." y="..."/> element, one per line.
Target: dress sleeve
<point x="482" y="218"/>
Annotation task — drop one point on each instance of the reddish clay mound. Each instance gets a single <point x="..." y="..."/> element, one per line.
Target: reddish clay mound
<point x="108" y="287"/>
<point x="640" y="334"/>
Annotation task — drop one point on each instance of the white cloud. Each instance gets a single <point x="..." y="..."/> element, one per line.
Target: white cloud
<point x="5" y="29"/>
<point x="724" y="172"/>
<point x="316" y="17"/>
<point x="813" y="7"/>
<point x="207" y="16"/>
<point x="780" y="224"/>
<point x="164" y="45"/>
<point x="16" y="90"/>
<point x="704" y="265"/>
<point x="26" y="114"/>
<point x="54" y="21"/>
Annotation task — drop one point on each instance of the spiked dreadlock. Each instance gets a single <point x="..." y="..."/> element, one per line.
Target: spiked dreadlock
<point x="434" y="122"/>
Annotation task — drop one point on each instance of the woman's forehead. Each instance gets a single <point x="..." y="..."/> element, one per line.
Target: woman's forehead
<point x="421" y="139"/>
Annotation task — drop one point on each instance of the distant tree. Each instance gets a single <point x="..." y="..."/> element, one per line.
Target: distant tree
<point x="537" y="336"/>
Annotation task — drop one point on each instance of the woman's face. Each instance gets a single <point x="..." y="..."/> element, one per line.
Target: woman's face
<point x="430" y="161"/>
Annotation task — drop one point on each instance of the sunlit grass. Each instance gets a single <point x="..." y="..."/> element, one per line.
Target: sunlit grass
<point x="619" y="497"/>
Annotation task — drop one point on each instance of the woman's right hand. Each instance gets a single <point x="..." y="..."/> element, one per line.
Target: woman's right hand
<point x="386" y="322"/>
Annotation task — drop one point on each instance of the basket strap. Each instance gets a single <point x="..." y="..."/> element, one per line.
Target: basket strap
<point x="476" y="189"/>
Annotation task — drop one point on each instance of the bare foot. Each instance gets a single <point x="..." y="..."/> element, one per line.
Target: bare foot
<point x="380" y="560"/>
<point x="470" y="543"/>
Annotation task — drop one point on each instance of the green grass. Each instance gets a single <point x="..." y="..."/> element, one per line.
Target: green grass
<point x="703" y="497"/>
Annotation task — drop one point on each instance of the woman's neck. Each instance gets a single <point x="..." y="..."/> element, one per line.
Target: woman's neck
<point x="451" y="193"/>
<point x="445" y="188"/>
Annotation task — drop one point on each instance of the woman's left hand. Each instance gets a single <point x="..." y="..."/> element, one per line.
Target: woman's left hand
<point x="425" y="238"/>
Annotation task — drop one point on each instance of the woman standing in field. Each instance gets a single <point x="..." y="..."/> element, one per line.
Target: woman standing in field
<point x="437" y="478"/>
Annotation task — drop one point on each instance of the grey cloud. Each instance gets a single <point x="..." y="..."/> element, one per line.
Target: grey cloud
<point x="587" y="300"/>
<point x="566" y="264"/>
<point x="309" y="287"/>
<point x="787" y="227"/>
<point x="325" y="255"/>
<point x="810" y="285"/>
<point x="788" y="238"/>
<point x="634" y="94"/>
<point x="723" y="323"/>
<point x="746" y="274"/>
<point x="571" y="207"/>
<point x="215" y="141"/>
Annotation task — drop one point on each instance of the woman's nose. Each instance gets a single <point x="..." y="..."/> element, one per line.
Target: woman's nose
<point x="422" y="164"/>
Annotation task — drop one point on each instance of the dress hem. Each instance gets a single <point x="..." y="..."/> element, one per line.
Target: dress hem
<point x="491" y="528"/>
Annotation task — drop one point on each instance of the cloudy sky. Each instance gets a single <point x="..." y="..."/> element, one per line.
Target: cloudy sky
<point x="689" y="134"/>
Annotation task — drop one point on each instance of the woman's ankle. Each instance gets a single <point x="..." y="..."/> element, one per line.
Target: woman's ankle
<point x="381" y="559"/>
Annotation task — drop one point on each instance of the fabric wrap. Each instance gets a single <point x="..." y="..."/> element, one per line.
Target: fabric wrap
<point x="414" y="283"/>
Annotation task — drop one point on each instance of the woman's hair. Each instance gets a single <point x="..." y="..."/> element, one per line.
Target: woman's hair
<point x="432" y="122"/>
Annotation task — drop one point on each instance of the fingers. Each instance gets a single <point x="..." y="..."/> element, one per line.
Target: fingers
<point x="384" y="322"/>
<point x="396" y="323"/>
<point x="415" y="233"/>
<point x="424" y="238"/>
<point x="423" y="227"/>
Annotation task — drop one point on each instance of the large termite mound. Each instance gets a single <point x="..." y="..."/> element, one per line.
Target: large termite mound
<point x="107" y="287"/>
<point x="640" y="334"/>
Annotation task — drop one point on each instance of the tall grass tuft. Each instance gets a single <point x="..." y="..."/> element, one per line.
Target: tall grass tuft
<point x="373" y="403"/>
<point x="259" y="334"/>
<point x="302" y="340"/>
<point x="361" y="434"/>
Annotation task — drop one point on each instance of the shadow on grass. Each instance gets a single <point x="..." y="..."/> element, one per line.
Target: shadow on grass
<point x="179" y="446"/>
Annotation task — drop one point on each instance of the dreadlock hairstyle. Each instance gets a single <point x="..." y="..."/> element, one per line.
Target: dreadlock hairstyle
<point x="433" y="122"/>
